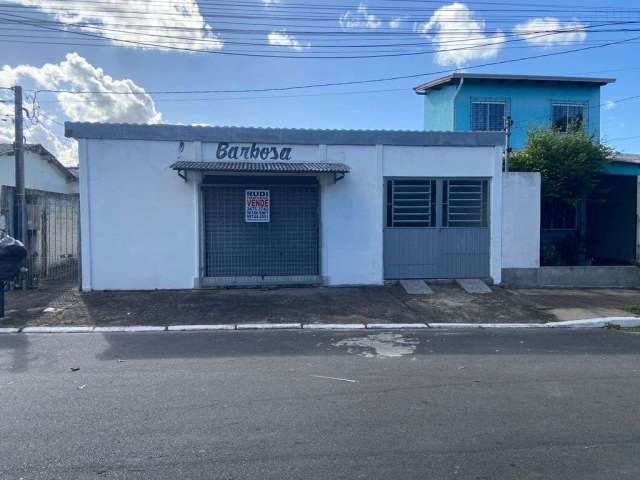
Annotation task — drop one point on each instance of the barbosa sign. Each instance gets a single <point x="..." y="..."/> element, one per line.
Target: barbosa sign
<point x="227" y="151"/>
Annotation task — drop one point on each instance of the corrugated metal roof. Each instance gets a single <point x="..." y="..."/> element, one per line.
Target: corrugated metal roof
<point x="288" y="136"/>
<point x="627" y="158"/>
<point x="420" y="89"/>
<point x="275" y="167"/>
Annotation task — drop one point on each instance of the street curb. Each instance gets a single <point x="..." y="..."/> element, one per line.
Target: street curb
<point x="618" y="322"/>
<point x="396" y="326"/>
<point x="333" y="326"/>
<point x="132" y="329"/>
<point x="9" y="330"/>
<point x="268" y="326"/>
<point x="58" y="329"/>
<point x="200" y="328"/>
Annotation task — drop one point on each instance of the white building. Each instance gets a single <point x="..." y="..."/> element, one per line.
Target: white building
<point x="42" y="170"/>
<point x="166" y="206"/>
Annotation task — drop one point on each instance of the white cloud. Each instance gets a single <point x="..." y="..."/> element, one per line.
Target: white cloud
<point x="159" y="20"/>
<point x="117" y="104"/>
<point x="360" y="18"/>
<point x="610" y="105"/>
<point x="283" y="39"/>
<point x="538" y="31"/>
<point x="396" y="22"/>
<point x="454" y="27"/>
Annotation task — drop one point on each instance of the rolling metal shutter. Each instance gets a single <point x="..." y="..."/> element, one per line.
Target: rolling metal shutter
<point x="283" y="250"/>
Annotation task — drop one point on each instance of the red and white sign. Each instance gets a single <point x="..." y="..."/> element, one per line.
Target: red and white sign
<point x="257" y="206"/>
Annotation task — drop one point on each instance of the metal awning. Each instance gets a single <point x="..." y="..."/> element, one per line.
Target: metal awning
<point x="338" y="169"/>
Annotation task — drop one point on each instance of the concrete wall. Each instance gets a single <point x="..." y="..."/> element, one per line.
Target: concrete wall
<point x="572" y="277"/>
<point x="39" y="174"/>
<point x="141" y="227"/>
<point x="521" y="219"/>
<point x="529" y="105"/>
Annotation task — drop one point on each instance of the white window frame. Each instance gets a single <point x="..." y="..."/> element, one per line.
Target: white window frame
<point x="582" y="105"/>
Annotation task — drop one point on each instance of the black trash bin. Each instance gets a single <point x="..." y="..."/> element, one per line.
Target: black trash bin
<point x="12" y="255"/>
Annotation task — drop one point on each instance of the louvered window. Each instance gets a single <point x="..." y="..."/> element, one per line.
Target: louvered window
<point x="487" y="116"/>
<point x="465" y="203"/>
<point x="411" y="203"/>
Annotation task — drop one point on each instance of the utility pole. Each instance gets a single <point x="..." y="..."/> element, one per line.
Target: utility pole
<point x="20" y="204"/>
<point x="508" y="123"/>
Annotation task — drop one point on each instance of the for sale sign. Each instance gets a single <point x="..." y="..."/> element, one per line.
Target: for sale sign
<point x="257" y="207"/>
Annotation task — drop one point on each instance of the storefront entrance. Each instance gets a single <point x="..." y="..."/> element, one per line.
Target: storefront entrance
<point x="260" y="230"/>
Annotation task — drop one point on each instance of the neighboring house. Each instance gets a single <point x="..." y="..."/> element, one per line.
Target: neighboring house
<point x="52" y="211"/>
<point x="465" y="102"/>
<point x="42" y="170"/>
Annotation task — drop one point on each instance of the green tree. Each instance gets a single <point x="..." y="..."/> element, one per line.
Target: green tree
<point x="569" y="163"/>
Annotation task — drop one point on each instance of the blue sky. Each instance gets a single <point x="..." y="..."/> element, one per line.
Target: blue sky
<point x="496" y="31"/>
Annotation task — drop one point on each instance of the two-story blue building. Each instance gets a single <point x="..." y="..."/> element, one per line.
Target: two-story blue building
<point x="463" y="102"/>
<point x="480" y="102"/>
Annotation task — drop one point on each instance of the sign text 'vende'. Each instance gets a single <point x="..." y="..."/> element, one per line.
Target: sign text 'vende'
<point x="254" y="152"/>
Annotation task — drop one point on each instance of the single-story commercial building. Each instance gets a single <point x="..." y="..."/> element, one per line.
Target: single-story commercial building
<point x="168" y="206"/>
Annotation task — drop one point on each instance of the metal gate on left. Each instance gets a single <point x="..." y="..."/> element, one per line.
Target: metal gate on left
<point x="284" y="250"/>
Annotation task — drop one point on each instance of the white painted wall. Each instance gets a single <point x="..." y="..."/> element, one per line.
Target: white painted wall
<point x="521" y="220"/>
<point x="140" y="223"/>
<point x="39" y="174"/>
<point x="139" y="219"/>
<point x="352" y="218"/>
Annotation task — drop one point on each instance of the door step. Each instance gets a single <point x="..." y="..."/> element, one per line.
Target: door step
<point x="473" y="285"/>
<point x="416" y="287"/>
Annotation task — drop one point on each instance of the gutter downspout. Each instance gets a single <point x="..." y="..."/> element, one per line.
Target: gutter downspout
<point x="453" y="102"/>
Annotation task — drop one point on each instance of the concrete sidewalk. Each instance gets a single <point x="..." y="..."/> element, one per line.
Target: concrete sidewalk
<point x="349" y="305"/>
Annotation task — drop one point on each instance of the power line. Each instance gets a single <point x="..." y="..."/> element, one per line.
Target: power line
<point x="265" y="55"/>
<point x="353" y="82"/>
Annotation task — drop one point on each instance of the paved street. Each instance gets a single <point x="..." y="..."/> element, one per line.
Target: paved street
<point x="321" y="405"/>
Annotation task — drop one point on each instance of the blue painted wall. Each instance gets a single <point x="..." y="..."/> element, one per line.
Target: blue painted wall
<point x="529" y="105"/>
<point x="438" y="109"/>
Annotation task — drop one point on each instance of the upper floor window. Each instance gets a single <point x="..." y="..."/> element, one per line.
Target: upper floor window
<point x="568" y="115"/>
<point x="487" y="116"/>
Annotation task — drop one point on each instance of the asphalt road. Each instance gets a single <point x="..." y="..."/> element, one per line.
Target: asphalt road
<point x="298" y="405"/>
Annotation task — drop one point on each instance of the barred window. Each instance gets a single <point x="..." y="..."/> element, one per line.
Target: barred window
<point x="487" y="116"/>
<point x="411" y="203"/>
<point x="568" y="115"/>
<point x="465" y="203"/>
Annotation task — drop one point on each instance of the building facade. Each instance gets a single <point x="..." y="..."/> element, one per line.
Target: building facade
<point x="468" y="102"/>
<point x="167" y="206"/>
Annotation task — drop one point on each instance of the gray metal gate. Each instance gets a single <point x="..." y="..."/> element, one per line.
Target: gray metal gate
<point x="283" y="250"/>
<point x="436" y="228"/>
